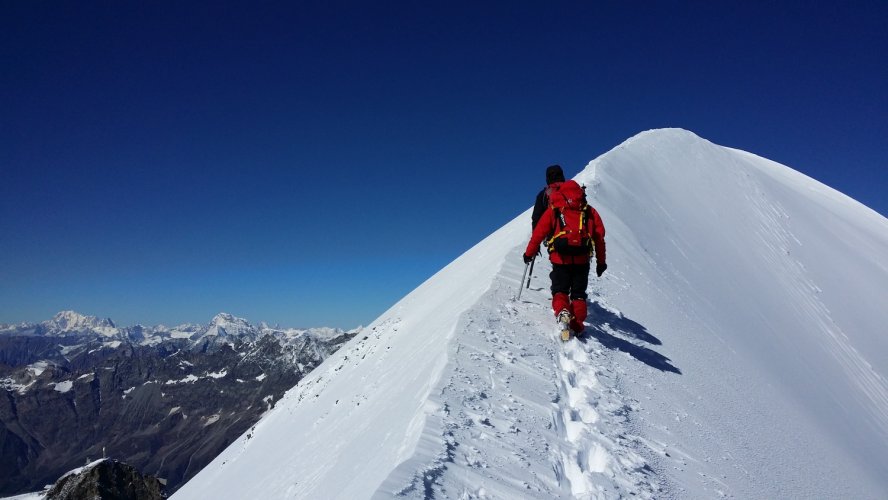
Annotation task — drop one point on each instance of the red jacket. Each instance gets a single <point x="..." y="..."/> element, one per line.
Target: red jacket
<point x="546" y="227"/>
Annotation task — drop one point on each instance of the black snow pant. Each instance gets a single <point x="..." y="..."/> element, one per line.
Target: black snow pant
<point x="570" y="279"/>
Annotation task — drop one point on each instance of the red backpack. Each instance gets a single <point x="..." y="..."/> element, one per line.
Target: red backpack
<point x="572" y="235"/>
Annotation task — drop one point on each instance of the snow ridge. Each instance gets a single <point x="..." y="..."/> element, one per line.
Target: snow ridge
<point x="732" y="349"/>
<point x="521" y="415"/>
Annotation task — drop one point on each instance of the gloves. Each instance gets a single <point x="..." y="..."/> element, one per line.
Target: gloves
<point x="600" y="268"/>
<point x="528" y="258"/>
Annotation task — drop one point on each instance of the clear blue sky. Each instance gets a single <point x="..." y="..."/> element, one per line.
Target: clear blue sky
<point x="309" y="163"/>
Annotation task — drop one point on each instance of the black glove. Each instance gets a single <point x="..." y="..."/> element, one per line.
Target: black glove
<point x="528" y="258"/>
<point x="600" y="268"/>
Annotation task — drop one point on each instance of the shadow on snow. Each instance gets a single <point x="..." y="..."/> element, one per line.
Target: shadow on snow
<point x="604" y="322"/>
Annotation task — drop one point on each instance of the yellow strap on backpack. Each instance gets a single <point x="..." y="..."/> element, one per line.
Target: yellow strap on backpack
<point x="550" y="244"/>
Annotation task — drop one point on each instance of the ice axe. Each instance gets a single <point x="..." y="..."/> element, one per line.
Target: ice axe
<point x="521" y="288"/>
<point x="527" y="266"/>
<point x="531" y="270"/>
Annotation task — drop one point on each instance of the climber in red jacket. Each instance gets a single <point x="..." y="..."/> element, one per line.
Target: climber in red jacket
<point x="573" y="233"/>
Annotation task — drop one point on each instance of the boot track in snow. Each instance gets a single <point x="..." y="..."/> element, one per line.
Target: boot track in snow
<point x="515" y="396"/>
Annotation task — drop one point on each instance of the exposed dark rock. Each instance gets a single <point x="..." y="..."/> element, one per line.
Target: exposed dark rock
<point x="107" y="480"/>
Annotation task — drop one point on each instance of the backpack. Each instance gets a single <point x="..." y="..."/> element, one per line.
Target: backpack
<point x="572" y="235"/>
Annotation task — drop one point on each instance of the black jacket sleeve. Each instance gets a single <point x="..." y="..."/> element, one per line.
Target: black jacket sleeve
<point x="542" y="203"/>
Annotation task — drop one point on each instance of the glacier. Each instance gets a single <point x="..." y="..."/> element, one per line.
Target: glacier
<point x="735" y="347"/>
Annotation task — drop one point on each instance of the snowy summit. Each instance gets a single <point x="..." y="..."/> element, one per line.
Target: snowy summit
<point x="70" y="321"/>
<point x="224" y="324"/>
<point x="734" y="347"/>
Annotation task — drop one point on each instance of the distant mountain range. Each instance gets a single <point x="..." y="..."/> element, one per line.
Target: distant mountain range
<point x="165" y="400"/>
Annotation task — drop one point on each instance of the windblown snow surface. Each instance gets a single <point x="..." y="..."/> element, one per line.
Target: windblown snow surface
<point x="736" y="347"/>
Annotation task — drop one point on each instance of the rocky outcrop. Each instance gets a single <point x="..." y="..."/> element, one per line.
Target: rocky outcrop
<point x="106" y="480"/>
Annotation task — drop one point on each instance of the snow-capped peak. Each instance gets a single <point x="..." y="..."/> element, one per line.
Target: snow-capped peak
<point x="227" y="325"/>
<point x="733" y="348"/>
<point x="71" y="320"/>
<point x="66" y="322"/>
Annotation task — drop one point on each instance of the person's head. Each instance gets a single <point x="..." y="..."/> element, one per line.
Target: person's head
<point x="554" y="174"/>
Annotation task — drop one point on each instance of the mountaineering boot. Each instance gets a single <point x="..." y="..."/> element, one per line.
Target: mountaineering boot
<point x="578" y="310"/>
<point x="564" y="320"/>
<point x="577" y="328"/>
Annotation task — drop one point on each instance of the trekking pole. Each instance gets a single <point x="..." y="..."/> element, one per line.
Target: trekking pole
<point x="530" y="274"/>
<point x="521" y="288"/>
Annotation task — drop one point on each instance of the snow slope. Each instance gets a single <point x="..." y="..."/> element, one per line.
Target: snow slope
<point x="735" y="347"/>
